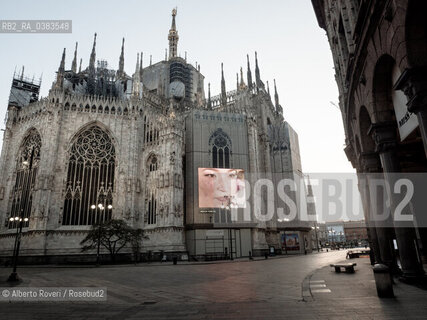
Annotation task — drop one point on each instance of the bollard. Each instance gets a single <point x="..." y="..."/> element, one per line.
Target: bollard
<point x="383" y="281"/>
<point x="175" y="260"/>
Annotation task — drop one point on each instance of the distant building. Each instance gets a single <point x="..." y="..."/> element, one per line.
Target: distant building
<point x="355" y="231"/>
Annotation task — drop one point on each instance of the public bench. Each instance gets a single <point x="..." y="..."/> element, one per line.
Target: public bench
<point x="349" y="267"/>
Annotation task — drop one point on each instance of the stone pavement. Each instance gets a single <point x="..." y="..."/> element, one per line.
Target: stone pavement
<point x="356" y="294"/>
<point x="263" y="289"/>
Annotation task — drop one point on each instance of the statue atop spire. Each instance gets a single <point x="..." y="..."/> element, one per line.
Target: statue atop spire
<point x="74" y="63"/>
<point x="120" y="72"/>
<point x="173" y="37"/>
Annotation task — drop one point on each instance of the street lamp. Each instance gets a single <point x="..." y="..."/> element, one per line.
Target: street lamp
<point x="227" y="206"/>
<point x="24" y="206"/>
<point x="101" y="208"/>
<point x="316" y="228"/>
<point x="13" y="277"/>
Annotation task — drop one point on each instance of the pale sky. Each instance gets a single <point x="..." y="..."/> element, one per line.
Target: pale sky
<point x="291" y="49"/>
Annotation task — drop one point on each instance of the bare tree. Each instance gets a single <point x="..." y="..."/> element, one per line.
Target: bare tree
<point x="113" y="235"/>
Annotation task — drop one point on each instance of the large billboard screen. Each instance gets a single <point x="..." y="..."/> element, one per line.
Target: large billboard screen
<point x="221" y="188"/>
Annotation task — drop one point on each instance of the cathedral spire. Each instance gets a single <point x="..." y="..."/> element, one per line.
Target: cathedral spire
<point x="60" y="73"/>
<point x="74" y="63"/>
<point x="173" y="37"/>
<point x="242" y="82"/>
<point x="268" y="89"/>
<point x="237" y="81"/>
<point x="140" y="66"/>
<point x="136" y="88"/>
<point x="249" y="74"/>
<point x="209" y="96"/>
<point x="122" y="59"/>
<point x="80" y="67"/>
<point x="223" y="92"/>
<point x="276" y="96"/>
<point x="92" y="56"/>
<point x="279" y="108"/>
<point x="91" y="78"/>
<point x="257" y="75"/>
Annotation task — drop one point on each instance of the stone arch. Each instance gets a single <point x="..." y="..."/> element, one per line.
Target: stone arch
<point x="382" y="87"/>
<point x="220" y="147"/>
<point x="416" y="32"/>
<point x="100" y="125"/>
<point x="90" y="178"/>
<point x="27" y="164"/>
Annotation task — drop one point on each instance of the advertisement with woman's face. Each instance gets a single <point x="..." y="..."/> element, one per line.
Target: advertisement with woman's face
<point x="221" y="188"/>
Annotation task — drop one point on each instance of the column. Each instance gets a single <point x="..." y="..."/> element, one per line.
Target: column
<point x="413" y="82"/>
<point x="384" y="135"/>
<point x="369" y="163"/>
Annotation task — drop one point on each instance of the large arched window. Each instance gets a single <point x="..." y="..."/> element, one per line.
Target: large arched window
<point x="90" y="179"/>
<point x="26" y="173"/>
<point x="151" y="194"/>
<point x="220" y="147"/>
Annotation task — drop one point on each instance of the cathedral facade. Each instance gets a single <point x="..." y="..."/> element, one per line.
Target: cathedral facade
<point x="104" y="144"/>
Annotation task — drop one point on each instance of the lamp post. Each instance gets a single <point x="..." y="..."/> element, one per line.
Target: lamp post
<point x="230" y="235"/>
<point x="317" y="239"/>
<point x="13" y="277"/>
<point x="28" y="165"/>
<point x="98" y="245"/>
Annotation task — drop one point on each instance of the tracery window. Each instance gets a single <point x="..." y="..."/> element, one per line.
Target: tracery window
<point x="151" y="207"/>
<point x="220" y="147"/>
<point x="151" y="195"/>
<point x="90" y="179"/>
<point x="152" y="164"/>
<point x="26" y="173"/>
